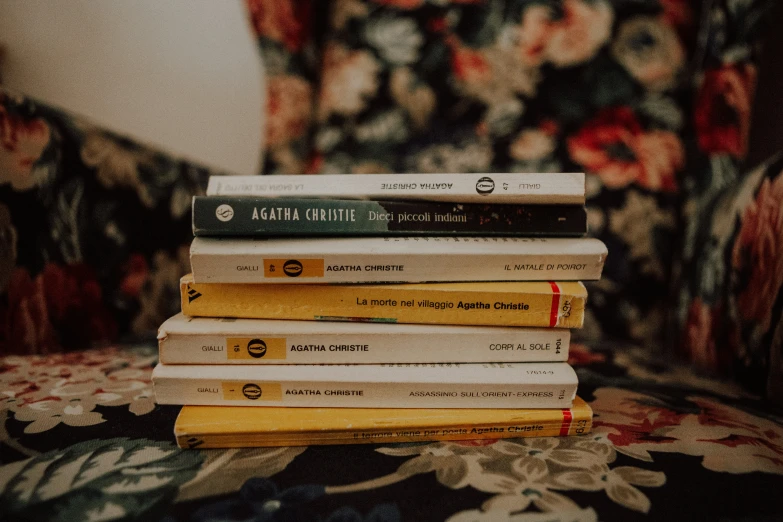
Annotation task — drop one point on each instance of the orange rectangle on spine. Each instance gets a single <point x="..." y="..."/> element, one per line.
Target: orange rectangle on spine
<point x="293" y="267"/>
<point x="250" y="348"/>
<point x="251" y="391"/>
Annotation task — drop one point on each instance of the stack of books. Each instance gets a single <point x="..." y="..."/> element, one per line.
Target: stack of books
<point x="374" y="308"/>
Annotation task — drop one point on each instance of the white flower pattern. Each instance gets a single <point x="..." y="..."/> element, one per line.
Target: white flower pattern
<point x="523" y="478"/>
<point x="531" y="472"/>
<point x="396" y="39"/>
<point x="638" y="220"/>
<point x="46" y="391"/>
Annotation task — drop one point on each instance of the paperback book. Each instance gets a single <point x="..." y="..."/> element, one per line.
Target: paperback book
<point x="274" y="217"/>
<point x="560" y="188"/>
<point x="406" y="259"/>
<point x="235" y="427"/>
<point x="544" y="304"/>
<point x="208" y="340"/>
<point x="444" y="385"/>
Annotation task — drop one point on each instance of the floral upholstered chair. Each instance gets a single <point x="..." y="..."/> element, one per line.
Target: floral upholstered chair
<point x="651" y="98"/>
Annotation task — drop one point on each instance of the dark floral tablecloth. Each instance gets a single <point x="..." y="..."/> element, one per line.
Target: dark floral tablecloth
<point x="82" y="439"/>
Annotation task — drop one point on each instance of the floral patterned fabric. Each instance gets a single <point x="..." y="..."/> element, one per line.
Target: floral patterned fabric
<point x="636" y="94"/>
<point x="734" y="320"/>
<point x="80" y="439"/>
<point x="651" y="98"/>
<point x="94" y="231"/>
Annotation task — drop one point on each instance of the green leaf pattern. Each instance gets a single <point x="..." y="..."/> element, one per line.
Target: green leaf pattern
<point x="96" y="480"/>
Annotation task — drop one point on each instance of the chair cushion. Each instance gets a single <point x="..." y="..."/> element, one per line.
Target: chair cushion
<point x="81" y="437"/>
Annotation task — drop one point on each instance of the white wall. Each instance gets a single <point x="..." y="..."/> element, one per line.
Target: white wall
<point x="181" y="74"/>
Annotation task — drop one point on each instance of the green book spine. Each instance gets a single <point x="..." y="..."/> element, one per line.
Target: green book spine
<point x="261" y="217"/>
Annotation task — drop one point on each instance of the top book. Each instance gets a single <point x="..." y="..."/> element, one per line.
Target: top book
<point x="528" y="188"/>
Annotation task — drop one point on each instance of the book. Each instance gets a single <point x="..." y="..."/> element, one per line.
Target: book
<point x="564" y="188"/>
<point x="210" y="340"/>
<point x="408" y="259"/>
<point x="546" y="304"/>
<point x="235" y="427"/>
<point x="444" y="385"/>
<point x="265" y="217"/>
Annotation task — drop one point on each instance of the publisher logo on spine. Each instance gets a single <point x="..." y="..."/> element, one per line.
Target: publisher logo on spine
<point x="254" y="391"/>
<point x="485" y="186"/>
<point x="292" y="268"/>
<point x="224" y="212"/>
<point x="194" y="442"/>
<point x="256" y="348"/>
<point x="193" y="294"/>
<point x="285" y="268"/>
<point x="251" y="391"/>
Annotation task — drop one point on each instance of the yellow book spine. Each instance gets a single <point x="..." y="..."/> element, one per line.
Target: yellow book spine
<point x="547" y="304"/>
<point x="572" y="422"/>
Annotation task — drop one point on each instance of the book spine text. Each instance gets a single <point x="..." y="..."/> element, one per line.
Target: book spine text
<point x="536" y="188"/>
<point x="196" y="391"/>
<point x="528" y="345"/>
<point x="385" y="303"/>
<point x="379" y="267"/>
<point x="568" y="424"/>
<point x="260" y="217"/>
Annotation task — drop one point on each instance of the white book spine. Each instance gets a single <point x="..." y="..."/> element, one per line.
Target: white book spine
<point x="565" y="188"/>
<point x="457" y="345"/>
<point x="533" y="386"/>
<point x="233" y="262"/>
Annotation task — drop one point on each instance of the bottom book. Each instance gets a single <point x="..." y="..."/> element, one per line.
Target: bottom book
<point x="237" y="427"/>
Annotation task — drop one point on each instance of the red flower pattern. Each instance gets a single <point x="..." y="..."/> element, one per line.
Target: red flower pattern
<point x="401" y="4"/>
<point x="27" y="326"/>
<point x="728" y="439"/>
<point x="289" y="109"/>
<point x="469" y="65"/>
<point x="413" y="4"/>
<point x="678" y="13"/>
<point x="65" y="299"/>
<point x="616" y="147"/>
<point x="136" y="273"/>
<point x="284" y="21"/>
<point x="723" y="107"/>
<point x="758" y="251"/>
<point x="699" y="337"/>
<point x="566" y="40"/>
<point x="21" y="144"/>
<point x="580" y="355"/>
<point x="628" y="419"/>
